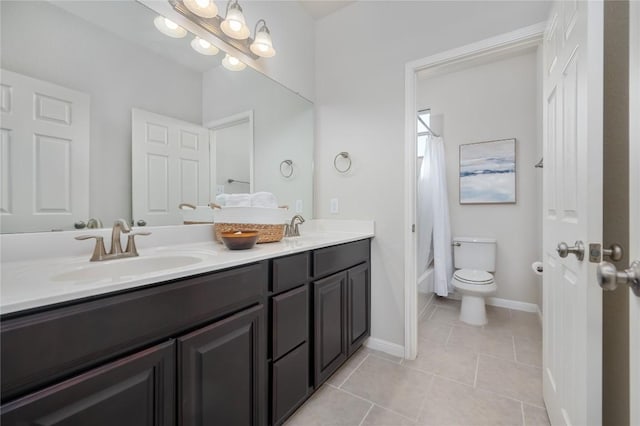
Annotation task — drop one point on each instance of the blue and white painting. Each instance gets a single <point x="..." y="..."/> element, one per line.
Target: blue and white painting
<point x="488" y="172"/>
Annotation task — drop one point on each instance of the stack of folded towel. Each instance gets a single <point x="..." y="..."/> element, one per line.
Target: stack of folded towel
<point x="257" y="199"/>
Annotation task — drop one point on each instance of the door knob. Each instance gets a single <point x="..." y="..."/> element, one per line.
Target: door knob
<point x="614" y="252"/>
<point x="609" y="278"/>
<point x="578" y="249"/>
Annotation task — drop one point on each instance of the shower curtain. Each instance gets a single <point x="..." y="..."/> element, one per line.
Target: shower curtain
<point x="433" y="204"/>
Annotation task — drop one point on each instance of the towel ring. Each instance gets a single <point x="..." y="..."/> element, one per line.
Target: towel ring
<point x="287" y="163"/>
<point x="345" y="155"/>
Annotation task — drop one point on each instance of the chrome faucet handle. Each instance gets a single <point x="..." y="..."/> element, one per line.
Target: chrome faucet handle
<point x="131" y="249"/>
<point x="99" y="252"/>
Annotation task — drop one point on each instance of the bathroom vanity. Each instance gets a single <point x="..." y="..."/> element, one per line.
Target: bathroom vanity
<point x="239" y="345"/>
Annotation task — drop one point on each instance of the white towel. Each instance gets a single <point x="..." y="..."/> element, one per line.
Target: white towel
<point x="221" y="199"/>
<point x="238" y="200"/>
<point x="264" y="199"/>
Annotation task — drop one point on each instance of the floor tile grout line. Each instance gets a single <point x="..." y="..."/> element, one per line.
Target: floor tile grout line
<point x="516" y="362"/>
<point x="369" y="401"/>
<point x="475" y="378"/>
<point x="446" y="342"/>
<point x="515" y="352"/>
<point x="424" y="399"/>
<point x="353" y="371"/>
<point x="366" y="414"/>
<point x="524" y="421"/>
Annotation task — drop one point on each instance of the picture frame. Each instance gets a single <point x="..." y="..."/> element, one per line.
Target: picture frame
<point x="487" y="172"/>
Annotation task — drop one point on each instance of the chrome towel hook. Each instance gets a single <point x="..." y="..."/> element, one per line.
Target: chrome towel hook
<point x="344" y="155"/>
<point x="289" y="164"/>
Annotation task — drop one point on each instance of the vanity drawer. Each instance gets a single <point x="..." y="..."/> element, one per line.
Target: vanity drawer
<point x="290" y="383"/>
<point x="289" y="271"/>
<point x="337" y="258"/>
<point x="41" y="348"/>
<point x="290" y="319"/>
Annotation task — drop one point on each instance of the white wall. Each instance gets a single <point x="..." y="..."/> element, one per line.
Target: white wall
<point x="283" y="129"/>
<point x="486" y="102"/>
<point x="47" y="43"/>
<point x="361" y="51"/>
<point x="293" y="35"/>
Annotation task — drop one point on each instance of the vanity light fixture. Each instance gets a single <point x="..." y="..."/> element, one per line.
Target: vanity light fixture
<point x="234" y="24"/>
<point x="168" y="27"/>
<point x="232" y="63"/>
<point x="232" y="29"/>
<point x="203" y="47"/>
<point x="262" y="44"/>
<point x="202" y="8"/>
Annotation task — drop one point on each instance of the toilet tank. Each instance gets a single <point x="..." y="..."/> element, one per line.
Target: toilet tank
<point x="474" y="253"/>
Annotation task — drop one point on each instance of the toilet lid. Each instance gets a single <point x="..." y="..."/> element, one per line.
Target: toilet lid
<point x="473" y="276"/>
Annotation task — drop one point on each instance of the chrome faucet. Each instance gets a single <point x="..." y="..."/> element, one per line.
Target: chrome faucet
<point x="292" y="229"/>
<point x="120" y="226"/>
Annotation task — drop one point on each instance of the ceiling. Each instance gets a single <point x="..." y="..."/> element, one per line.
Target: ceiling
<point x="320" y="8"/>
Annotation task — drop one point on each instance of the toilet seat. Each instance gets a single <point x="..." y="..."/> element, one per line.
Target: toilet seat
<point x="473" y="277"/>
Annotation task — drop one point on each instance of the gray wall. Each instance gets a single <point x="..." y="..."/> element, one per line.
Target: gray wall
<point x="360" y="62"/>
<point x="44" y="42"/>
<point x="487" y="102"/>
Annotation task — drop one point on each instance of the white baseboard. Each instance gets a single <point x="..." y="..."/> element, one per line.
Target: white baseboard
<point x="384" y="346"/>
<point x="427" y="307"/>
<point x="512" y="304"/>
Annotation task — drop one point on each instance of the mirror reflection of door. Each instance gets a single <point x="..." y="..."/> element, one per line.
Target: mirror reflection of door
<point x="232" y="154"/>
<point x="170" y="166"/>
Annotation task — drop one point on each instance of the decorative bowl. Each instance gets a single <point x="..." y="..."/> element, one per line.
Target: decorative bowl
<point x="239" y="240"/>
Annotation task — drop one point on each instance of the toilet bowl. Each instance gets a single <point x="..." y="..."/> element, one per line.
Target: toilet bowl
<point x="474" y="259"/>
<point x="473" y="285"/>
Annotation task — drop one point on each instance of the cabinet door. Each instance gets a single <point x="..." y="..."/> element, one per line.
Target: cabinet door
<point x="138" y="390"/>
<point x="330" y="325"/>
<point x="359" y="306"/>
<point x="221" y="372"/>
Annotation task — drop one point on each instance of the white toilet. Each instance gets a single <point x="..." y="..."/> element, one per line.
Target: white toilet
<point x="474" y="260"/>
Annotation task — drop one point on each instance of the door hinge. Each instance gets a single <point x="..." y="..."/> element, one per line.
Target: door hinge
<point x="413" y="227"/>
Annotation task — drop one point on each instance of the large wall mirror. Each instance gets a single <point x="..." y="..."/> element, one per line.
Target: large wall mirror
<point x="83" y="82"/>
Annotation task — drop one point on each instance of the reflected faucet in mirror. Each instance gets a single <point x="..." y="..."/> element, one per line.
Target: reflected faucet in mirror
<point x="100" y="253"/>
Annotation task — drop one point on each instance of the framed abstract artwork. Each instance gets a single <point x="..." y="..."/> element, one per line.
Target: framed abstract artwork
<point x="488" y="172"/>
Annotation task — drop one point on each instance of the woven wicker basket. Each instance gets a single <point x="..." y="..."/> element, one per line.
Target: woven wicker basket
<point x="267" y="233"/>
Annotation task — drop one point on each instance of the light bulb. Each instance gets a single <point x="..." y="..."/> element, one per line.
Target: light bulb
<point x="202" y="8"/>
<point x="203" y="47"/>
<point x="170" y="24"/>
<point x="262" y="47"/>
<point x="168" y="27"/>
<point x="232" y="63"/>
<point x="235" y="25"/>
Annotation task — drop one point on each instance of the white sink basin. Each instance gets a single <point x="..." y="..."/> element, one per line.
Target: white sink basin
<point x="122" y="268"/>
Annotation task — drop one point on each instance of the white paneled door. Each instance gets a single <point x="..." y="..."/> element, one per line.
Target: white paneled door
<point x="170" y="166"/>
<point x="44" y="155"/>
<point x="572" y="186"/>
<point x="634" y="206"/>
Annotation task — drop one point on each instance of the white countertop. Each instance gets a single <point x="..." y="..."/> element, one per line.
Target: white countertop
<point x="40" y="281"/>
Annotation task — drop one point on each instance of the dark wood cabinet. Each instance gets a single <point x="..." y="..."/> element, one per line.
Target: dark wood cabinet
<point x="358" y="306"/>
<point x="341" y="306"/>
<point x="330" y="325"/>
<point x="221" y="372"/>
<point x="133" y="391"/>
<point x="242" y="346"/>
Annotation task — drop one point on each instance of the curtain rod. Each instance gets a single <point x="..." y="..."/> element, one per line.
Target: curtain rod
<point x="428" y="128"/>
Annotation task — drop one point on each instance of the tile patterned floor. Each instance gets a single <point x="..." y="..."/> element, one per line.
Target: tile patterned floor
<point x="463" y="375"/>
